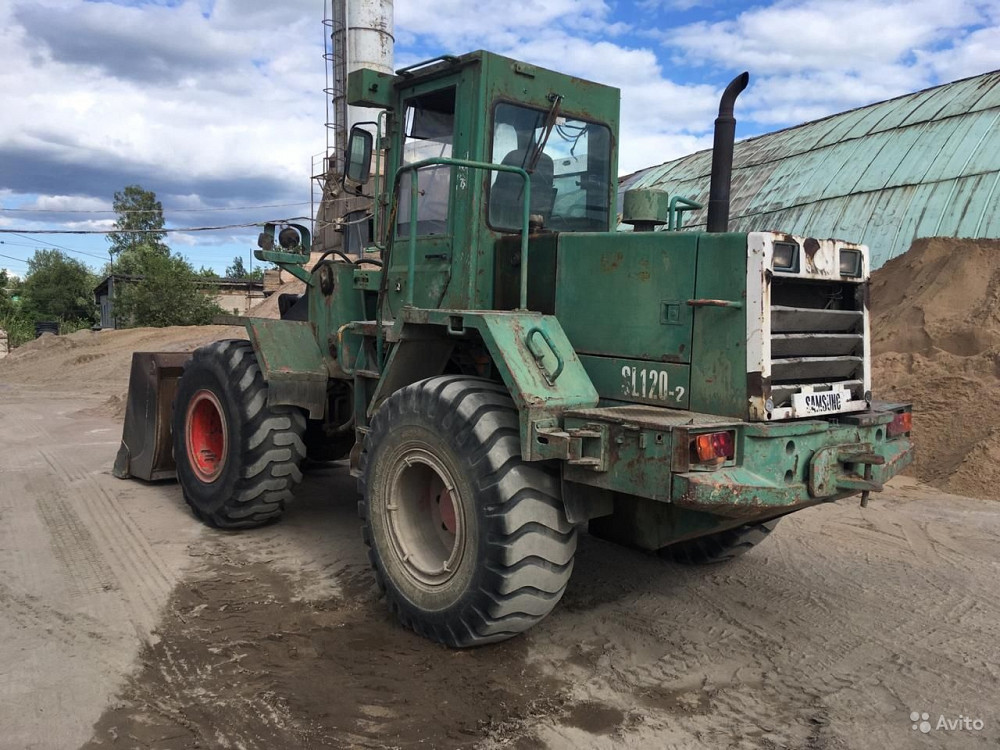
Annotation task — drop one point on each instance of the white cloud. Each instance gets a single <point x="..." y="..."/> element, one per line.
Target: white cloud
<point x="172" y="99"/>
<point x="977" y="52"/>
<point x="814" y="58"/>
<point x="462" y="25"/>
<point x="67" y="203"/>
<point x="850" y="35"/>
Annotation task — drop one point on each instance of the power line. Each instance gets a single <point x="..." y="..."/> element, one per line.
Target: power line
<point x="58" y="247"/>
<point x="11" y="257"/>
<point x="148" y="210"/>
<point x="23" y="231"/>
<point x="19" y="244"/>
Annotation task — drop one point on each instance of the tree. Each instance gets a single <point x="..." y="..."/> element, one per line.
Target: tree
<point x="237" y="270"/>
<point x="58" y="287"/>
<point x="167" y="294"/>
<point x="6" y="303"/>
<point x="164" y="291"/>
<point x="140" y="219"/>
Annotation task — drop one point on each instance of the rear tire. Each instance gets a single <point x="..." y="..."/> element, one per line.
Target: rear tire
<point x="720" y="547"/>
<point x="469" y="542"/>
<point x="237" y="458"/>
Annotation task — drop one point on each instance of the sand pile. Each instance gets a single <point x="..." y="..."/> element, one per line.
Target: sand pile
<point x="98" y="363"/>
<point x="936" y="340"/>
<point x="268" y="308"/>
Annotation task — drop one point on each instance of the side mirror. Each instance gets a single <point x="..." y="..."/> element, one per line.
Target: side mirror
<point x="358" y="161"/>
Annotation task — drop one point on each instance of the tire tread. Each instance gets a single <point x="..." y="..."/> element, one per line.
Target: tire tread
<point x="272" y="437"/>
<point x="531" y="543"/>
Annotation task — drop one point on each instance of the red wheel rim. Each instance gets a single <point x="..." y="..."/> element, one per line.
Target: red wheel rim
<point x="207" y="437"/>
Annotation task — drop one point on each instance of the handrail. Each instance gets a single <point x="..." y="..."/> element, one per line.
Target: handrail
<point x="677" y="214"/>
<point x="411" y="268"/>
<point x="408" y="70"/>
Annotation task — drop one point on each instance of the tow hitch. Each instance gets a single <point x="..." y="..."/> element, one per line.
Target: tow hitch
<point x="835" y="468"/>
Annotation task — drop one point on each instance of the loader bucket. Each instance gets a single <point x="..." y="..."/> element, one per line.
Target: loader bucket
<point x="146" y="450"/>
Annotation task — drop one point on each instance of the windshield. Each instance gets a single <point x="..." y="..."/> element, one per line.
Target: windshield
<point x="569" y="184"/>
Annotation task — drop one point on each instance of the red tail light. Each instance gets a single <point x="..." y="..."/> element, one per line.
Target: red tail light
<point x="901" y="424"/>
<point x="713" y="447"/>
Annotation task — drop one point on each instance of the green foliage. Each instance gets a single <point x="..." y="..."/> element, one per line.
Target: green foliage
<point x="6" y="286"/>
<point x="19" y="329"/>
<point x="166" y="295"/>
<point x="140" y="217"/>
<point x="207" y="273"/>
<point x="67" y="327"/>
<point x="165" y="291"/>
<point x="237" y="270"/>
<point x="58" y="287"/>
<point x="12" y="319"/>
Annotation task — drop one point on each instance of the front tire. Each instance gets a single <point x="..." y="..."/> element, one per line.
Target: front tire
<point x="237" y="458"/>
<point x="720" y="547"/>
<point x="469" y="542"/>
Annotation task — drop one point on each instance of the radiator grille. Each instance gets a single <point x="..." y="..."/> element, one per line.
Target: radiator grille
<point x="817" y="338"/>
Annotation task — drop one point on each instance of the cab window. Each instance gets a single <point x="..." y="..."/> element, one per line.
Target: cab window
<point x="569" y="167"/>
<point x="429" y="131"/>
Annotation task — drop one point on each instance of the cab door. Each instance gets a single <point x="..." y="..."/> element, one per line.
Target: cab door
<point x="431" y="126"/>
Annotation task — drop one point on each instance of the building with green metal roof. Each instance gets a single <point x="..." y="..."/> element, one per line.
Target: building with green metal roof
<point x="921" y="165"/>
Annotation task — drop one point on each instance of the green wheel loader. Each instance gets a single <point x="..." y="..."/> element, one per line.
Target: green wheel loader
<point x="501" y="365"/>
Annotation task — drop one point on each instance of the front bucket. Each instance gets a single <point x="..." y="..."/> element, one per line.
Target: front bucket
<point x="146" y="451"/>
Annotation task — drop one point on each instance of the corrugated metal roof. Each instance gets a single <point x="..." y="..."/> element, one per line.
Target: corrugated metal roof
<point x="925" y="164"/>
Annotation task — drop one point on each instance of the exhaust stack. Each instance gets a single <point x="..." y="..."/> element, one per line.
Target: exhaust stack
<point x="722" y="156"/>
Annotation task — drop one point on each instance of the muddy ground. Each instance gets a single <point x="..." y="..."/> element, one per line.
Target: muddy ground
<point x="126" y="624"/>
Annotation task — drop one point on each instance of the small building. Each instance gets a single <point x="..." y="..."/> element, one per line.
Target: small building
<point x="234" y="296"/>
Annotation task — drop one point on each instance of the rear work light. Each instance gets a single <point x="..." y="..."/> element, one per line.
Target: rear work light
<point x="901" y="424"/>
<point x="850" y="263"/>
<point x="713" y="447"/>
<point x="786" y="256"/>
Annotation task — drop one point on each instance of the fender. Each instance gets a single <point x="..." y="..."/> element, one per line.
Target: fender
<point x="533" y="357"/>
<point x="291" y="362"/>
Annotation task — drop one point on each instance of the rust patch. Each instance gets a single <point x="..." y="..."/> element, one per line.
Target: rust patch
<point x="728" y="501"/>
<point x="610" y="263"/>
<point x="758" y="385"/>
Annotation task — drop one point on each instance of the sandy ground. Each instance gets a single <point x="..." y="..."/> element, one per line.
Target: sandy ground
<point x="126" y="624"/>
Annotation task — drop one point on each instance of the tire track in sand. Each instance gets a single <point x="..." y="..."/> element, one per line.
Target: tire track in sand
<point x="143" y="576"/>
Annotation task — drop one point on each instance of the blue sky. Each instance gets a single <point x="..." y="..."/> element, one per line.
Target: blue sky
<point x="217" y="105"/>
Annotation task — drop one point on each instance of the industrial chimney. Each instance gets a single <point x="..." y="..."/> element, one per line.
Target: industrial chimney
<point x="359" y="35"/>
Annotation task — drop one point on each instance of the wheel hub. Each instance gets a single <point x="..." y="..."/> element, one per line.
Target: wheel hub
<point x="207" y="436"/>
<point x="425" y="517"/>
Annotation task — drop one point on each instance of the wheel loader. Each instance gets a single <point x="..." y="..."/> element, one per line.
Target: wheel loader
<point x="504" y="362"/>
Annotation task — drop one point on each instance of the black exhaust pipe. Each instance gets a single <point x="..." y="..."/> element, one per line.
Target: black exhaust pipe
<point x="722" y="156"/>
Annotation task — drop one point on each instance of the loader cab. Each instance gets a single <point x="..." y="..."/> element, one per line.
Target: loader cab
<point x="490" y="109"/>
